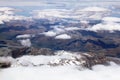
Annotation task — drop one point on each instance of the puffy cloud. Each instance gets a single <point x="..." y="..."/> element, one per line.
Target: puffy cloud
<point x="109" y="26"/>
<point x="48" y="13"/>
<point x="72" y="28"/>
<point x="94" y="9"/>
<point x="24" y="36"/>
<point x="7" y="14"/>
<point x="98" y="72"/>
<point x="55" y="31"/>
<point x="79" y="14"/>
<point x="59" y="32"/>
<point x="7" y="10"/>
<point x="59" y="29"/>
<point x="108" y="23"/>
<point x="65" y="72"/>
<point x="92" y="13"/>
<point x="25" y="42"/>
<point x="63" y="36"/>
<point x="111" y="19"/>
<point x="49" y="33"/>
<point x="25" y="39"/>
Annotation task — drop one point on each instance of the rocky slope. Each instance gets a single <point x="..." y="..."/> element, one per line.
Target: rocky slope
<point x="59" y="58"/>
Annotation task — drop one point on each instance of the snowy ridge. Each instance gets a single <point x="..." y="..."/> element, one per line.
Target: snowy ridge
<point x="61" y="58"/>
<point x="65" y="67"/>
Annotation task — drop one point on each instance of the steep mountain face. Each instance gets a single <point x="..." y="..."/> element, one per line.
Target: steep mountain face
<point x="60" y="58"/>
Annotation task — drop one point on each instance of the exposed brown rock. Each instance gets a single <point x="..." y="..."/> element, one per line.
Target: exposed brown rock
<point x="41" y="51"/>
<point x="5" y="62"/>
<point x="31" y="51"/>
<point x="92" y="59"/>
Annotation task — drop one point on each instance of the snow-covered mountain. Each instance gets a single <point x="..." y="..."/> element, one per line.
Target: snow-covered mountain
<point x="60" y="40"/>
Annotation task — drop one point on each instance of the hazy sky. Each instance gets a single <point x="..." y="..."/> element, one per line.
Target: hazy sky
<point x="44" y="2"/>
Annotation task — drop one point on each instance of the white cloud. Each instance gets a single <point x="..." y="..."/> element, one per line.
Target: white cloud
<point x="92" y="13"/>
<point x="25" y="42"/>
<point x="7" y="14"/>
<point x="65" y="72"/>
<point x="63" y="36"/>
<point x="7" y="10"/>
<point x="48" y="13"/>
<point x="71" y="3"/>
<point x="55" y="31"/>
<point x="72" y="28"/>
<point x="79" y="14"/>
<point x="25" y="39"/>
<point x="111" y="19"/>
<point x="109" y="26"/>
<point x="22" y="3"/>
<point x="60" y="31"/>
<point x="94" y="9"/>
<point x="24" y="36"/>
<point x="49" y="33"/>
<point x="99" y="72"/>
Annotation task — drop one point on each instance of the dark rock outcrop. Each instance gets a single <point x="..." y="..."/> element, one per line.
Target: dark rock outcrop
<point x="86" y="60"/>
<point x="31" y="51"/>
<point x="82" y="60"/>
<point x="4" y="51"/>
<point x="41" y="51"/>
<point x="19" y="52"/>
<point x="5" y="62"/>
<point x="92" y="59"/>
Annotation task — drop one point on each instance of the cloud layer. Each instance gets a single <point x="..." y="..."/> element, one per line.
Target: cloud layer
<point x="99" y="72"/>
<point x="44" y="2"/>
<point x="84" y="15"/>
<point x="109" y="24"/>
<point x="64" y="72"/>
<point x="7" y="14"/>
